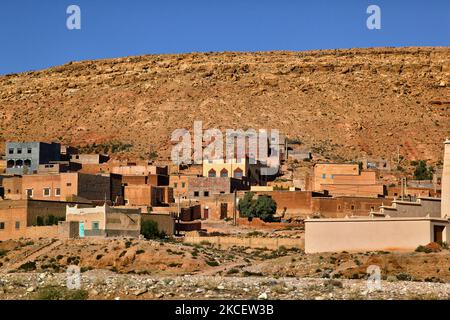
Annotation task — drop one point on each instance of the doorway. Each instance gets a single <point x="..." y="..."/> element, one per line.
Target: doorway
<point x="438" y="234"/>
<point x="81" y="230"/>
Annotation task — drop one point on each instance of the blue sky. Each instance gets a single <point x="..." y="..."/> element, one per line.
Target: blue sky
<point x="33" y="33"/>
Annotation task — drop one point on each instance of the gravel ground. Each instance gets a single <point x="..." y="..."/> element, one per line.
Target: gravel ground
<point x="99" y="284"/>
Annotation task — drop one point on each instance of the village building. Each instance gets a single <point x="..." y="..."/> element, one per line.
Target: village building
<point x="31" y="218"/>
<point x="346" y="180"/>
<point x="25" y="157"/>
<point x="71" y="185"/>
<point x="402" y="226"/>
<point x="105" y="221"/>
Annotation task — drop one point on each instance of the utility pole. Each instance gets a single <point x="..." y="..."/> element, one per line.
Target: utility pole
<point x="234" y="208"/>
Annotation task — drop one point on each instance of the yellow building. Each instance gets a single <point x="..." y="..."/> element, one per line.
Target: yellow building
<point x="235" y="168"/>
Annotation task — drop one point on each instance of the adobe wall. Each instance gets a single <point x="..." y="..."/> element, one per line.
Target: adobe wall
<point x="336" y="235"/>
<point x="165" y="222"/>
<point x="229" y="242"/>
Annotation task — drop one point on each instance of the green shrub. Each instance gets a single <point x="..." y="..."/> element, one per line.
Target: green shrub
<point x="60" y="293"/>
<point x="149" y="229"/>
<point x="423" y="249"/>
<point x="28" y="266"/>
<point x="212" y="263"/>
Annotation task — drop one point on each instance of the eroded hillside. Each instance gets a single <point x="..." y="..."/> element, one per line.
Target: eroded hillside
<point x="343" y="103"/>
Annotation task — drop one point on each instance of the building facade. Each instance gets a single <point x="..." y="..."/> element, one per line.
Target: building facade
<point x="25" y="157"/>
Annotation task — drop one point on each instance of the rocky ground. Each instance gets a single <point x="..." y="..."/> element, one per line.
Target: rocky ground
<point x="141" y="269"/>
<point x="107" y="285"/>
<point x="344" y="104"/>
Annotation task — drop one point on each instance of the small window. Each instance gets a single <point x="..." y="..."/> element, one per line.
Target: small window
<point x="196" y="193"/>
<point x="353" y="207"/>
<point x="57" y="192"/>
<point x="183" y="184"/>
<point x="47" y="192"/>
<point x="19" y="150"/>
<point x="332" y="176"/>
<point x="68" y="184"/>
<point x="2" y="226"/>
<point x="175" y="185"/>
<point x="11" y="151"/>
<point x="17" y="225"/>
<point x="95" y="225"/>
<point x="206" y="193"/>
<point x="324" y="175"/>
<point x="29" y="193"/>
<point x="29" y="150"/>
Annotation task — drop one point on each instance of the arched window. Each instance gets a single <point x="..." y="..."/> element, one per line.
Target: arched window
<point x="238" y="173"/>
<point x="27" y="163"/>
<point x="224" y="173"/>
<point x="212" y="173"/>
<point x="10" y="163"/>
<point x="19" y="163"/>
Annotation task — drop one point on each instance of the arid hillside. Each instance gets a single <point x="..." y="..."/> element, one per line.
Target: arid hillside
<point x="343" y="103"/>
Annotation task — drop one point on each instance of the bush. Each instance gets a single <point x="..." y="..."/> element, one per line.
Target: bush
<point x="212" y="263"/>
<point x="60" y="293"/>
<point x="149" y="229"/>
<point x="28" y="266"/>
<point x="423" y="249"/>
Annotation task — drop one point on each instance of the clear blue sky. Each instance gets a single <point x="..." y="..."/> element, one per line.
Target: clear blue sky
<point x="33" y="33"/>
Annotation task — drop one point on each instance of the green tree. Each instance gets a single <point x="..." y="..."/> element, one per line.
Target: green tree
<point x="264" y="207"/>
<point x="246" y="205"/>
<point x="422" y="172"/>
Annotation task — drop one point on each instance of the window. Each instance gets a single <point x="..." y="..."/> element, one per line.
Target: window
<point x="29" y="193"/>
<point x="2" y="226"/>
<point x="212" y="173"/>
<point x="206" y="193"/>
<point x="11" y="151"/>
<point x="224" y="173"/>
<point x="47" y="192"/>
<point x="332" y="176"/>
<point x="196" y="193"/>
<point x="238" y="173"/>
<point x="29" y="150"/>
<point x="175" y="185"/>
<point x="95" y="225"/>
<point x="57" y="192"/>
<point x="17" y="225"/>
<point x="183" y="184"/>
<point x="324" y="175"/>
<point x="68" y="184"/>
<point x="19" y="150"/>
<point x="353" y="207"/>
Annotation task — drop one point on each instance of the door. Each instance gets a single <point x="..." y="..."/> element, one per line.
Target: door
<point x="438" y="231"/>
<point x="206" y="213"/>
<point x="81" y="230"/>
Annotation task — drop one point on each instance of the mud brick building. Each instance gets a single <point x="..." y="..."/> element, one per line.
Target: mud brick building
<point x="346" y="180"/>
<point x="20" y="218"/>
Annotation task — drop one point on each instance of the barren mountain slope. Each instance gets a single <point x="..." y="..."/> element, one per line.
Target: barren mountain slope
<point x="343" y="103"/>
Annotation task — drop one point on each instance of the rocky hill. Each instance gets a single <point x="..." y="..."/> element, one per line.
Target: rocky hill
<point x="345" y="104"/>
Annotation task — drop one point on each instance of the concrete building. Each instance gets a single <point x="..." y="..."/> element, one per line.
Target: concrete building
<point x="105" y="221"/>
<point x="402" y="226"/>
<point x="25" y="157"/>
